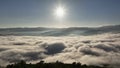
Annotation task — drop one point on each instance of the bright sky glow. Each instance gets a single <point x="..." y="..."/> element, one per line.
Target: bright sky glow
<point x="60" y="12"/>
<point x="46" y="13"/>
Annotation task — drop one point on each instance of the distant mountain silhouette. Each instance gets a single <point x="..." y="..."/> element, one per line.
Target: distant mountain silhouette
<point x="71" y="31"/>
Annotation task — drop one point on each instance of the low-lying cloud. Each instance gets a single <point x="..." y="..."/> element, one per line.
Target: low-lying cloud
<point x="54" y="48"/>
<point x="96" y="50"/>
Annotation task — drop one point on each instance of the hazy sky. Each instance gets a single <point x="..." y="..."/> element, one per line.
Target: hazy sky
<point x="37" y="13"/>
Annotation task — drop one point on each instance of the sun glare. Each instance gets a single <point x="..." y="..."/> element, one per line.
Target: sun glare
<point x="60" y="12"/>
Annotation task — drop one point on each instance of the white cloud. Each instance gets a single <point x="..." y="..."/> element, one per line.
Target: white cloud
<point x="95" y="49"/>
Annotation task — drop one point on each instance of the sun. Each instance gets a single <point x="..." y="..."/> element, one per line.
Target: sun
<point x="60" y="12"/>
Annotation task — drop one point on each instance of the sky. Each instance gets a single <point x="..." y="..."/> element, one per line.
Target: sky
<point x="41" y="13"/>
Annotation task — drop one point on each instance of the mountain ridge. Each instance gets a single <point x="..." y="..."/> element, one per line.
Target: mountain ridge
<point x="43" y="31"/>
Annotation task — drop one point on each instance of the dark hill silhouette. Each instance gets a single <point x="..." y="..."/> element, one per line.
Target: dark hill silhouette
<point x="57" y="64"/>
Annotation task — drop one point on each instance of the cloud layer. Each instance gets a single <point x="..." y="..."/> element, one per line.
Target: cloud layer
<point x="96" y="49"/>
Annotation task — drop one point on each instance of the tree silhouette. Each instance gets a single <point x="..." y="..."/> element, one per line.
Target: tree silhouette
<point x="57" y="64"/>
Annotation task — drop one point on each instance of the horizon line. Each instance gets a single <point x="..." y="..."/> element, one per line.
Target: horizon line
<point x="59" y="27"/>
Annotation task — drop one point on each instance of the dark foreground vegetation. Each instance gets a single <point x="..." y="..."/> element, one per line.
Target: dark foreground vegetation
<point x="41" y="64"/>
